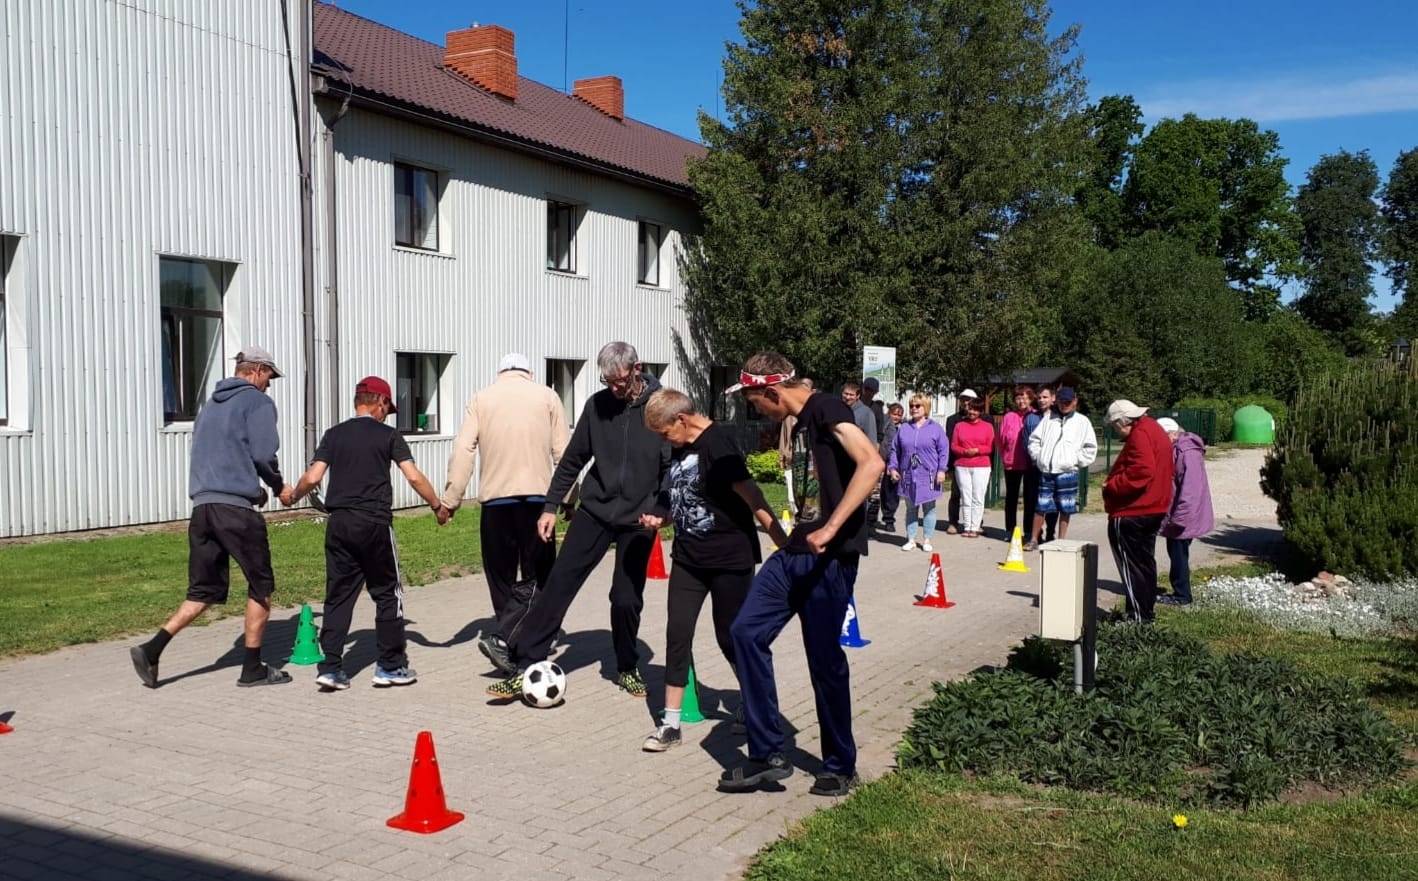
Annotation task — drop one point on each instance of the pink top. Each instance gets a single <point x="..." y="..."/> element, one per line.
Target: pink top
<point x="973" y="434"/>
<point x="1014" y="446"/>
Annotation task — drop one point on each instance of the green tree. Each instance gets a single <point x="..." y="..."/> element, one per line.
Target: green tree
<point x="1283" y="351"/>
<point x="894" y="172"/>
<point x="1339" y="238"/>
<point x="1116" y="122"/>
<point x="1218" y="184"/>
<point x="1155" y="323"/>
<point x="1400" y="239"/>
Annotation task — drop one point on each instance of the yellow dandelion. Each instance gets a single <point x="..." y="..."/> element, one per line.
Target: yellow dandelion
<point x="1179" y="820"/>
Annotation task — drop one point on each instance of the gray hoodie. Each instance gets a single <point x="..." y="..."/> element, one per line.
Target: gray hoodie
<point x="234" y="446"/>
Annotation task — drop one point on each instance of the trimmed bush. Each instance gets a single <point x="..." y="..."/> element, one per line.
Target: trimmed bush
<point x="1344" y="472"/>
<point x="764" y="467"/>
<point x="1169" y="721"/>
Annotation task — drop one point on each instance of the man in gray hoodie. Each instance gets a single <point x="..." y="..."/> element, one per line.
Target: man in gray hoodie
<point x="234" y="444"/>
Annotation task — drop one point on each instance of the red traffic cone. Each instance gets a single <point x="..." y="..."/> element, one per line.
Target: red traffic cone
<point x="934" y="596"/>
<point x="656" y="569"/>
<point x="5" y="729"/>
<point x="425" y="809"/>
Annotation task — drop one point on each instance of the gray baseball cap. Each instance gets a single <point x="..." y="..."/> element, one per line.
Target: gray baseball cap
<point x="258" y="355"/>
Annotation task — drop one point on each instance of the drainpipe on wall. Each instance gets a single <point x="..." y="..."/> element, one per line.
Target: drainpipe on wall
<point x="332" y="253"/>
<point x="307" y="230"/>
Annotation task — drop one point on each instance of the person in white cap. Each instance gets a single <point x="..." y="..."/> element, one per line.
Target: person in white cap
<point x="1190" y="515"/>
<point x="516" y="428"/>
<point x="234" y="446"/>
<point x="1137" y="496"/>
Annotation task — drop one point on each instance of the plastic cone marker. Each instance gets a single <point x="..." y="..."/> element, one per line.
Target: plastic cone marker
<point x="307" y="645"/>
<point x="934" y="595"/>
<point x="689" y="712"/>
<point x="656" y="569"/>
<point x="425" y="809"/>
<point x="5" y="729"/>
<point x="851" y="631"/>
<point x="1015" y="561"/>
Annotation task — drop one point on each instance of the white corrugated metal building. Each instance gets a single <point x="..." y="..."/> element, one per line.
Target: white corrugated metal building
<point x="151" y="223"/>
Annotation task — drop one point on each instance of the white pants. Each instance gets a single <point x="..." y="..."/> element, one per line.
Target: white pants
<point x="972" y="483"/>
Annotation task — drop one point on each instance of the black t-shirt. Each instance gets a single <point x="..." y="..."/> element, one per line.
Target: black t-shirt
<point x="822" y="468"/>
<point x="714" y="527"/>
<point x="358" y="452"/>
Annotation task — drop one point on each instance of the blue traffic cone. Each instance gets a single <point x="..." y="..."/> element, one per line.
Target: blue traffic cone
<point x="851" y="632"/>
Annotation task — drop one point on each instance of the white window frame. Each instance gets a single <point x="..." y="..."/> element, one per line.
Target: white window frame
<point x="656" y="369"/>
<point x="5" y="259"/>
<point x="649" y="245"/>
<point x="185" y="383"/>
<point x="563" y="221"/>
<point x="418" y="391"/>
<point x="564" y="378"/>
<point x="411" y="181"/>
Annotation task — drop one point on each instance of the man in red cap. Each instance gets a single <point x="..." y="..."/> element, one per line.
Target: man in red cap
<point x="359" y="537"/>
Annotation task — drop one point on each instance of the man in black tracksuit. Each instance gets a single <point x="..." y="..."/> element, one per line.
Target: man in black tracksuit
<point x="629" y="462"/>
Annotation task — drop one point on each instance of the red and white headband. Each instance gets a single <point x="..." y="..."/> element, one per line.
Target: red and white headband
<point x="758" y="380"/>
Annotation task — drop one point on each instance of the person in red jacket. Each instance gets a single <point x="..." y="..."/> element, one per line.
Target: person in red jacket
<point x="1137" y="496"/>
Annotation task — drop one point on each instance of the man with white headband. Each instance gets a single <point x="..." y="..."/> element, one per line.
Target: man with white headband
<point x="835" y="466"/>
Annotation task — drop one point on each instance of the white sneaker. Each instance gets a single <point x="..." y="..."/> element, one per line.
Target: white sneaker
<point x="909" y="546"/>
<point x="927" y="548"/>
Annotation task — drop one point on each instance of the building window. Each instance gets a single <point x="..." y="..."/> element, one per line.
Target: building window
<point x="562" y="220"/>
<point x="4" y="336"/>
<point x="720" y="378"/>
<point x="418" y="376"/>
<point x="561" y="378"/>
<point x="649" y="253"/>
<point x="415" y="207"/>
<point x="191" y="293"/>
<point x="655" y="369"/>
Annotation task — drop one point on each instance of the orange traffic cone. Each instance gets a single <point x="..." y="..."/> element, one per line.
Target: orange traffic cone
<point x="5" y="729"/>
<point x="425" y="809"/>
<point x="656" y="569"/>
<point x="934" y="595"/>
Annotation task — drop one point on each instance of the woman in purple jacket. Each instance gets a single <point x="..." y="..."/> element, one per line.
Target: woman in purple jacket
<point x="917" y="462"/>
<point x="1190" y="516"/>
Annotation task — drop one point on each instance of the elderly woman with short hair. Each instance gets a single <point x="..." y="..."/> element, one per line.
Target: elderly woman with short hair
<point x="918" y="461"/>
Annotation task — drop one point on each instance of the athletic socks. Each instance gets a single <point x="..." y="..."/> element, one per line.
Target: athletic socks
<point x="251" y="664"/>
<point x="152" y="649"/>
<point x="671" y="717"/>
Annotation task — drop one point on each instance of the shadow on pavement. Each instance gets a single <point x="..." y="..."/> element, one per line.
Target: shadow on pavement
<point x="32" y="851"/>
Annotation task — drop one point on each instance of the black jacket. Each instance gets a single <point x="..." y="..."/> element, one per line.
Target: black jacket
<point x="629" y="462"/>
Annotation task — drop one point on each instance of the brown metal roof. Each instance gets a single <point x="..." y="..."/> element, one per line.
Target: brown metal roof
<point x="392" y="67"/>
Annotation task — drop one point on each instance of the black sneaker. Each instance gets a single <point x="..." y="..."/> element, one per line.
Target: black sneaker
<point x="147" y="670"/>
<point x="661" y="739"/>
<point x="495" y="650"/>
<point x="1170" y="600"/>
<point x="755" y="773"/>
<point x="833" y="784"/>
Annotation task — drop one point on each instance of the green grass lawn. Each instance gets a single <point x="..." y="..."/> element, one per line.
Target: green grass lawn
<point x="59" y="593"/>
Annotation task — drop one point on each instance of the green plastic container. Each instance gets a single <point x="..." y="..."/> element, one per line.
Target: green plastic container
<point x="1253" y="425"/>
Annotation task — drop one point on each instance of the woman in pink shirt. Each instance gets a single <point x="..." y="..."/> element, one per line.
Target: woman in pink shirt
<point x="1014" y="450"/>
<point x="973" y="443"/>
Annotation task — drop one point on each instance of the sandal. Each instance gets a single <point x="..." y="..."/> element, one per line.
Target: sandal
<point x="271" y="677"/>
<point x="755" y="773"/>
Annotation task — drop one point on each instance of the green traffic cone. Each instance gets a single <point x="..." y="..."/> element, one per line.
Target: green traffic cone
<point x="689" y="709"/>
<point x="307" y="646"/>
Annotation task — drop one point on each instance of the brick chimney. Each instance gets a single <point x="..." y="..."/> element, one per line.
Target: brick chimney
<point x="485" y="55"/>
<point x="605" y="93"/>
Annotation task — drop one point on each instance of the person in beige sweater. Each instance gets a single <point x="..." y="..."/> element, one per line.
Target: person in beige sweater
<point x="517" y="428"/>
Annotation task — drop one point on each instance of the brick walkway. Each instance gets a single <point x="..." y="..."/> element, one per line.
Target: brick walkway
<point x="104" y="779"/>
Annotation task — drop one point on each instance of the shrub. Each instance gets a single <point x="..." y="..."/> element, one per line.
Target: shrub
<point x="1169" y="720"/>
<point x="1344" y="472"/>
<point x="764" y="467"/>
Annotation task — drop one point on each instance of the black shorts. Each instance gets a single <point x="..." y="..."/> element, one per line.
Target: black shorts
<point x="218" y="534"/>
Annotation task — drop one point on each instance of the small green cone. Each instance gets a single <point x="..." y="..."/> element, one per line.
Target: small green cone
<point x="307" y="645"/>
<point x="689" y="710"/>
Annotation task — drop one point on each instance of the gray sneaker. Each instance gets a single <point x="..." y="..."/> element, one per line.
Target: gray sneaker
<point x="335" y="680"/>
<point x="661" y="739"/>
<point x="398" y="676"/>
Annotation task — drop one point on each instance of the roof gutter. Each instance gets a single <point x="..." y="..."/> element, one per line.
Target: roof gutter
<point x="400" y="110"/>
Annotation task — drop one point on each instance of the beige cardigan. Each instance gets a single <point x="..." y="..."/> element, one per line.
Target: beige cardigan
<point x="520" y="431"/>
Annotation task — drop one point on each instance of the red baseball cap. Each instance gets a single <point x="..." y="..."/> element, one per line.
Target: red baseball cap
<point x="373" y="385"/>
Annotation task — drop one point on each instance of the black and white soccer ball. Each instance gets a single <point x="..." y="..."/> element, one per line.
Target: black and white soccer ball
<point x="543" y="685"/>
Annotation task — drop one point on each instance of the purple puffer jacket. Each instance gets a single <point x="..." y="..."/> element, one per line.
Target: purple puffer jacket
<point x="1191" y="515"/>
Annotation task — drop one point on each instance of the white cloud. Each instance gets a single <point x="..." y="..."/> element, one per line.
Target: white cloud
<point x="1293" y="97"/>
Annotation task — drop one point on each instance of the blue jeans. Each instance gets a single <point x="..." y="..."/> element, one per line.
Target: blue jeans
<point x="1179" y="552"/>
<point x="817" y="589"/>
<point x="915" y="513"/>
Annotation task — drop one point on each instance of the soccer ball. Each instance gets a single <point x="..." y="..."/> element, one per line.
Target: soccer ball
<point x="543" y="685"/>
